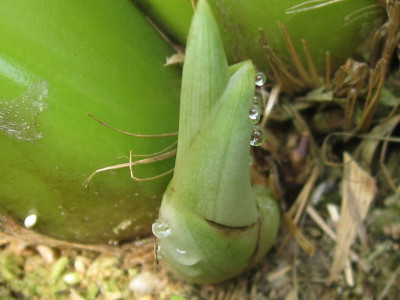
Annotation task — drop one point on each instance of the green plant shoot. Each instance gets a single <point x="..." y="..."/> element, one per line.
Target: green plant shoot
<point x="213" y="224"/>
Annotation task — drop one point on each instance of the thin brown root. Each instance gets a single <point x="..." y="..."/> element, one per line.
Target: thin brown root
<point x="302" y="126"/>
<point x="173" y="45"/>
<point x="308" y="5"/>
<point x="348" y="135"/>
<point x="328" y="70"/>
<point x="293" y="55"/>
<point x="132" y="134"/>
<point x="130" y="164"/>
<point x="393" y="28"/>
<point x="391" y="283"/>
<point x="376" y="82"/>
<point x="350" y="108"/>
<point x="393" y="111"/>
<point x="157" y="153"/>
<point x="311" y="66"/>
<point x="360" y="13"/>
<point x="283" y="77"/>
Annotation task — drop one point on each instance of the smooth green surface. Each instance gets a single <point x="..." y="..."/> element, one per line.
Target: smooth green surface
<point x="98" y="57"/>
<point x="173" y="16"/>
<point x="205" y="76"/>
<point x="220" y="151"/>
<point x="340" y="27"/>
<point x="213" y="225"/>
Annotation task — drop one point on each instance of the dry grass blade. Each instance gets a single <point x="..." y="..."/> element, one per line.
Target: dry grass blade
<point x="298" y="207"/>
<point x="291" y="218"/>
<point x="359" y="189"/>
<point x="314" y="215"/>
<point x="272" y="101"/>
<point x="295" y="231"/>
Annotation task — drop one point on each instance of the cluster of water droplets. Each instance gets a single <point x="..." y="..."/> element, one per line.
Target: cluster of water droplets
<point x="17" y="116"/>
<point x="255" y="111"/>
<point x="163" y="231"/>
<point x="257" y="136"/>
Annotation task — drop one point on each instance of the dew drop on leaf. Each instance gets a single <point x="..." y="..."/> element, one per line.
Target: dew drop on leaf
<point x="30" y="220"/>
<point x="186" y="258"/>
<point x="159" y="253"/>
<point x="255" y="113"/>
<point x="160" y="229"/>
<point x="257" y="136"/>
<point x="260" y="79"/>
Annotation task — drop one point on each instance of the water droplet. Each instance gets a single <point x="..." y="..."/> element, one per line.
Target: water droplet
<point x="159" y="253"/>
<point x="187" y="258"/>
<point x="257" y="137"/>
<point x="30" y="220"/>
<point x="260" y="79"/>
<point x="71" y="278"/>
<point x="160" y="229"/>
<point x="256" y="101"/>
<point x="113" y="242"/>
<point x="255" y="114"/>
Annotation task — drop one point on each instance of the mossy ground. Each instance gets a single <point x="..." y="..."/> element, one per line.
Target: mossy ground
<point x="43" y="272"/>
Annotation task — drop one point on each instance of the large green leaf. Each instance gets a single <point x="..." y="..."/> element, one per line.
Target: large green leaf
<point x="59" y="61"/>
